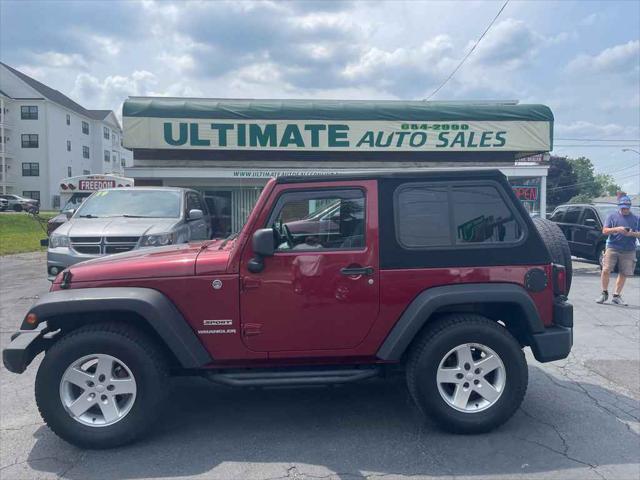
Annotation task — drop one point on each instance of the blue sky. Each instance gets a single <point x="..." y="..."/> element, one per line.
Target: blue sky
<point x="580" y="58"/>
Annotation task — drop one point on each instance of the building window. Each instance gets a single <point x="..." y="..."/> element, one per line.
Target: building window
<point x="123" y="163"/>
<point x="56" y="201"/>
<point x="85" y="128"/>
<point x="33" y="194"/>
<point x="68" y="119"/>
<point x="69" y="172"/>
<point x="105" y="132"/>
<point x="68" y="145"/>
<point x="86" y="172"/>
<point x="29" y="140"/>
<point x="107" y="157"/>
<point x="115" y="137"/>
<point x="85" y="151"/>
<point x="30" y="169"/>
<point x="29" y="112"/>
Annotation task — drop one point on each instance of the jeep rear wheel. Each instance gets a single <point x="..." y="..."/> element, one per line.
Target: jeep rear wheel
<point x="101" y="386"/>
<point x="468" y="373"/>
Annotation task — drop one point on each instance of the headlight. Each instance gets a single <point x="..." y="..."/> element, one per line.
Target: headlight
<point x="158" y="240"/>
<point x="57" y="240"/>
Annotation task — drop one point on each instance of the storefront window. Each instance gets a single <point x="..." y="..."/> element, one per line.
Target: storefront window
<point x="527" y="189"/>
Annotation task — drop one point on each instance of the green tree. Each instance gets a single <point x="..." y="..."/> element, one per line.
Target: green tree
<point x="589" y="183"/>
<point x="561" y="181"/>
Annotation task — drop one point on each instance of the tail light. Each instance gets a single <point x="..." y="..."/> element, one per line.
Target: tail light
<point x="559" y="280"/>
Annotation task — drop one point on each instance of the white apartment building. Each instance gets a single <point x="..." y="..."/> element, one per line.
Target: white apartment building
<point x="45" y="137"/>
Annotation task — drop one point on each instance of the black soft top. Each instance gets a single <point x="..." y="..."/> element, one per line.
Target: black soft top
<point x="435" y="174"/>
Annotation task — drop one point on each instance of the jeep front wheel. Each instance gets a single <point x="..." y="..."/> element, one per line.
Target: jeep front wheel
<point x="468" y="373"/>
<point x="101" y="386"/>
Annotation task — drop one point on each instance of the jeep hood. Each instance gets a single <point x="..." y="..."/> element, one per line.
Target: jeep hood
<point x="149" y="263"/>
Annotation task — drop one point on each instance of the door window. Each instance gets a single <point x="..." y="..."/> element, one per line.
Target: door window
<point x="558" y="215"/>
<point x="319" y="220"/>
<point x="193" y="202"/>
<point x="591" y="216"/>
<point x="572" y="215"/>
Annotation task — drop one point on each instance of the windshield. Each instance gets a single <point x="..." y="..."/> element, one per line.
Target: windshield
<point x="606" y="210"/>
<point x="131" y="203"/>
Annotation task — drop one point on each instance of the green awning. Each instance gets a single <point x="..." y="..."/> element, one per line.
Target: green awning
<point x="371" y="110"/>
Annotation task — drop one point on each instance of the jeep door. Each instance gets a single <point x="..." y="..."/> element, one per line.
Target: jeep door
<point x="319" y="291"/>
<point x="587" y="233"/>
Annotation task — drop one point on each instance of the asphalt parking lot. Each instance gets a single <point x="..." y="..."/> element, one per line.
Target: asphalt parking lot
<point x="580" y="418"/>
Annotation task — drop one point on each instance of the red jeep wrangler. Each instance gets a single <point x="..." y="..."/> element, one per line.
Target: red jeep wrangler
<point x="331" y="280"/>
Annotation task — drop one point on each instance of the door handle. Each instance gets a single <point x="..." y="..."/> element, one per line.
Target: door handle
<point x="351" y="271"/>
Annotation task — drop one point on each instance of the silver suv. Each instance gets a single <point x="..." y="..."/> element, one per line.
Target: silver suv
<point x="120" y="219"/>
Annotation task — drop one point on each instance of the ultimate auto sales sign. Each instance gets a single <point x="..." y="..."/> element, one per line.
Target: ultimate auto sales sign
<point x="314" y="135"/>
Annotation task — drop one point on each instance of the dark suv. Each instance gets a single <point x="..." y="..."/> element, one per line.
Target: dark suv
<point x="442" y="276"/>
<point x="582" y="225"/>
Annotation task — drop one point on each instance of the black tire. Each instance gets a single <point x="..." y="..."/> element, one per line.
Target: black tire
<point x="600" y="255"/>
<point x="430" y="349"/>
<point x="136" y="350"/>
<point x="17" y="207"/>
<point x="557" y="244"/>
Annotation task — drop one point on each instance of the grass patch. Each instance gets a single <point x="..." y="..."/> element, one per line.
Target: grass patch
<point x="20" y="233"/>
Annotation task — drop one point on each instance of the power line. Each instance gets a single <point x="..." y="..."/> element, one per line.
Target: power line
<point x="600" y="139"/>
<point x="571" y="185"/>
<point x="455" y="70"/>
<point x="596" y="146"/>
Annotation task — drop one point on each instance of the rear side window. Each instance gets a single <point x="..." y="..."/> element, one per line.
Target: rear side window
<point x="423" y="216"/>
<point x="441" y="215"/>
<point x="482" y="216"/>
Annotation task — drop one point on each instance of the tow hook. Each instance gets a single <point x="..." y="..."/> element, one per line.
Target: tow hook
<point x="66" y="279"/>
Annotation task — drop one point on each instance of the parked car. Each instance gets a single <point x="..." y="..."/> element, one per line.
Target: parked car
<point x="18" y="203"/>
<point x="121" y="219"/>
<point x="4" y="204"/>
<point x="582" y="225"/>
<point x="66" y="212"/>
<point x="444" y="276"/>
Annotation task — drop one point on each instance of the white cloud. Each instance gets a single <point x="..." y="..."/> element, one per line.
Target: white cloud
<point x="60" y="60"/>
<point x="620" y="59"/>
<point x="95" y="93"/>
<point x="586" y="129"/>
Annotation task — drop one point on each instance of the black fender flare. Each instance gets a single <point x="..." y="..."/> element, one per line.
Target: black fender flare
<point x="417" y="314"/>
<point x="151" y="305"/>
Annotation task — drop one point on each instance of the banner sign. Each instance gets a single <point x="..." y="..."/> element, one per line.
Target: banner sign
<point x="95" y="184"/>
<point x="343" y="135"/>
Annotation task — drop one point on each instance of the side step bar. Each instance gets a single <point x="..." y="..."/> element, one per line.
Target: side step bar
<point x="271" y="378"/>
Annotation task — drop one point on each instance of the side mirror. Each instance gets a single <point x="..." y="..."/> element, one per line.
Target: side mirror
<point x="69" y="213"/>
<point x="590" y="222"/>
<point x="263" y="243"/>
<point x="195" y="214"/>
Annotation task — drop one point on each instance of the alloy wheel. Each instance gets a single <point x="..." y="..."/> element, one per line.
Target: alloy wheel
<point x="98" y="390"/>
<point x="471" y="377"/>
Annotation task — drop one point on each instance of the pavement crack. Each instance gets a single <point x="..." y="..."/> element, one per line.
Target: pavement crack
<point x="592" y="467"/>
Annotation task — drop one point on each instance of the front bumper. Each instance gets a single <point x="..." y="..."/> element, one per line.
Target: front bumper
<point x="555" y="342"/>
<point x="25" y="345"/>
<point x="62" y="257"/>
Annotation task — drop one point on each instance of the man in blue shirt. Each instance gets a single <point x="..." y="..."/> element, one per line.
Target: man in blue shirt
<point x="623" y="230"/>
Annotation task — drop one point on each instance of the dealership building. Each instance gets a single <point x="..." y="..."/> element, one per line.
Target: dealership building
<point x="228" y="149"/>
